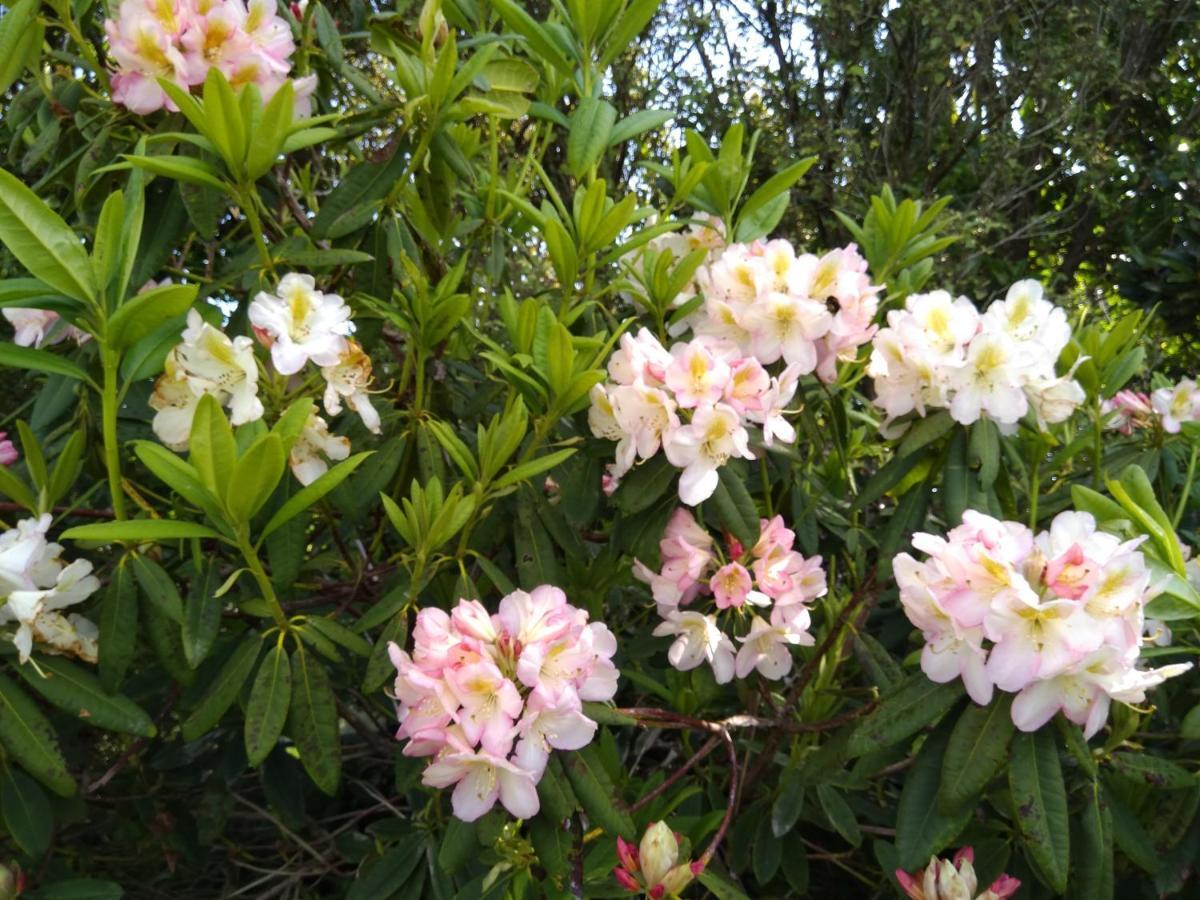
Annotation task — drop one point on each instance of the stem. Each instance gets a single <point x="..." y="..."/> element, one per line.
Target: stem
<point x="260" y="577"/>
<point x="246" y="200"/>
<point x="108" y="415"/>
<point x="1035" y="483"/>
<point x="1187" y="487"/>
<point x="1097" y="445"/>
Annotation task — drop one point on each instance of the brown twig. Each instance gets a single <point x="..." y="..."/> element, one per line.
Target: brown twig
<point x="707" y="748"/>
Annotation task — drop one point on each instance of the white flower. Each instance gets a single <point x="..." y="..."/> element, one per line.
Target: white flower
<point x="35" y="584"/>
<point x="214" y="364"/>
<point x="349" y="379"/>
<point x="766" y="646"/>
<point x="990" y="381"/>
<point x="174" y="403"/>
<point x="300" y="324"/>
<point x="314" y="444"/>
<point x="715" y="434"/>
<point x="698" y="640"/>
<point x="1177" y="405"/>
<point x="786" y="326"/>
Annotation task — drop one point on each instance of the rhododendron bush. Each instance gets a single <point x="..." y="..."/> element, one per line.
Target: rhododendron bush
<point x="416" y="483"/>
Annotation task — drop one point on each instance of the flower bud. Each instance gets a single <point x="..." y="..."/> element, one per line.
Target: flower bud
<point x="677" y="879"/>
<point x="11" y="883"/>
<point x="658" y="853"/>
<point x="626" y="880"/>
<point x="628" y="855"/>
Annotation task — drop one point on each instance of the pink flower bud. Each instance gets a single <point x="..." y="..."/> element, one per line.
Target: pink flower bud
<point x="628" y="855"/>
<point x="626" y="880"/>
<point x="1004" y="886"/>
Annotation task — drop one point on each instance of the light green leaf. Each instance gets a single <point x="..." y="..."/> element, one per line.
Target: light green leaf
<point x="39" y="361"/>
<point x="42" y="242"/>
<point x="140" y="530"/>
<point x="590" y="133"/>
<point x="255" y="477"/>
<point x="142" y="314"/>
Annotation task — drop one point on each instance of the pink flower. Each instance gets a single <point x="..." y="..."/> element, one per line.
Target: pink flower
<point x="1126" y="411"/>
<point x="730" y="585"/>
<point x="953" y="880"/>
<point x="8" y="453"/>
<point x="696" y="376"/>
<point x="480" y="778"/>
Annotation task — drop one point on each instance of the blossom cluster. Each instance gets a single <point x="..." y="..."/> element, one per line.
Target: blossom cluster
<point x="955" y="879"/>
<point x="653" y="867"/>
<point x="940" y="352"/>
<point x="1171" y="407"/>
<point x="181" y="40"/>
<point x="35" y="584"/>
<point x="741" y="585"/>
<point x="693" y="402"/>
<point x="298" y="324"/>
<point x="489" y="696"/>
<point x="1056" y="618"/>
<point x="808" y="311"/>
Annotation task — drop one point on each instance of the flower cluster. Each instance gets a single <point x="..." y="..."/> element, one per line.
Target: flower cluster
<point x="775" y="304"/>
<point x="35" y="584"/>
<point x="940" y="352"/>
<point x="40" y="327"/>
<point x="694" y="402"/>
<point x="741" y="585"/>
<point x="653" y="867"/>
<point x="706" y="233"/>
<point x="298" y="324"/>
<point x="1127" y="411"/>
<point x="478" y="683"/>
<point x="1061" y="612"/>
<point x="944" y="879"/>
<point x="181" y="40"/>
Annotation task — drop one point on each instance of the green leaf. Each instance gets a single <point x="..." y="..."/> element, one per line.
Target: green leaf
<point x="551" y="842"/>
<point x="340" y="634"/>
<point x="839" y="813"/>
<point x="720" y="887"/>
<point x="1039" y="800"/>
<point x="1130" y="835"/>
<point x="921" y="829"/>
<point x="766" y="853"/>
<point x="277" y="120"/>
<point x="26" y="811"/>
<point x="42" y="242"/>
<point x="139" y="530"/>
<point x="76" y="690"/>
<point x="142" y="314"/>
<point x="977" y="750"/>
<point x="391" y="871"/>
<point x="1092" y="848"/>
<point x="913" y="705"/>
<point x="179" y="476"/>
<point x="118" y="626"/>
<point x="81" y="889"/>
<point x="985" y="447"/>
<point x="640" y="122"/>
<point x="591" y="129"/>
<point x="313" y="722"/>
<point x="201" y="616"/>
<point x="106" y="245"/>
<point x="255" y="477"/>
<point x="311" y="493"/>
<point x="15" y="489"/>
<point x="544" y="48"/>
<point x="158" y="587"/>
<point x="789" y="803"/>
<point x="1152" y="771"/>
<point x="735" y="506"/>
<point x="212" y="450"/>
<point x="223" y="690"/>
<point x="227" y="129"/>
<point x="554" y="792"/>
<point x="379" y="666"/>
<point x="955" y="479"/>
<point x="597" y="794"/>
<point x="459" y="845"/>
<point x="527" y="470"/>
<point x="30" y="740"/>
<point x="267" y="708"/>
<point x="187" y="169"/>
<point x="18" y="28"/>
<point x="15" y="357"/>
<point x="775" y="186"/>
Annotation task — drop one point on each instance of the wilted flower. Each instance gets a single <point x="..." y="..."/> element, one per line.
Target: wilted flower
<point x="35" y="584"/>
<point x="478" y="682"/>
<point x="349" y="379"/>
<point x="313" y="447"/>
<point x="943" y="879"/>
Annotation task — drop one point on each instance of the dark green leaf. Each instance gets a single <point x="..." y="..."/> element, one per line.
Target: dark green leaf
<point x="201" y="615"/>
<point x="26" y="812"/>
<point x="118" y="626"/>
<point x="31" y="741"/>
<point x="1039" y="801"/>
<point x="913" y="705"/>
<point x="921" y="829"/>
<point x="267" y="708"/>
<point x="313" y="721"/>
<point x="76" y="690"/>
<point x="223" y="690"/>
<point x="977" y="750"/>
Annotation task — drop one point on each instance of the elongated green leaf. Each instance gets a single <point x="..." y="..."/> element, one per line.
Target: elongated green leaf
<point x="1039" y="800"/>
<point x="591" y="129"/>
<point x="977" y="750"/>
<point x="158" y="587"/>
<point x="267" y="708"/>
<point x="841" y="816"/>
<point x="76" y="690"/>
<point x="18" y="28"/>
<point x="394" y="869"/>
<point x="379" y="666"/>
<point x="26" y="812"/>
<point x="921" y="829"/>
<point x="640" y="122"/>
<point x="42" y="242"/>
<point x="118" y="626"/>
<point x="211" y="448"/>
<point x="633" y="19"/>
<point x="255" y="478"/>
<point x="554" y="792"/>
<point x="985" y="447"/>
<point x="313" y="722"/>
<point x="15" y="489"/>
<point x="516" y="18"/>
<point x="1130" y="835"/>
<point x="527" y="470"/>
<point x="1153" y="771"/>
<point x="914" y="704"/>
<point x="264" y="145"/>
<point x="39" y="361"/>
<point x="1092" y="848"/>
<point x="187" y="169"/>
<point x="340" y="634"/>
<point x="30" y="740"/>
<point x="597" y="793"/>
<point x="735" y="506"/>
<point x="956" y="479"/>
<point x="776" y="185"/>
<point x="223" y="690"/>
<point x="201" y="616"/>
<point x="139" y="530"/>
<point x="311" y="493"/>
<point x="142" y="314"/>
<point x="179" y="476"/>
